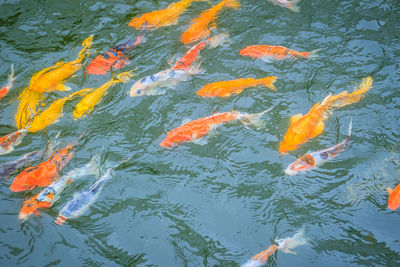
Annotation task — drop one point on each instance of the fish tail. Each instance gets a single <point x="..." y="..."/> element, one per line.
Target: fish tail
<point x="263" y="256"/>
<point x="292" y="5"/>
<point x="125" y="76"/>
<point x="87" y="43"/>
<point x="349" y="130"/>
<point x="93" y="166"/>
<point x="11" y="77"/>
<point x="254" y="119"/>
<point x="218" y="40"/>
<point x="364" y="86"/>
<point x="268" y="82"/>
<point x="286" y="244"/>
<point x="139" y="40"/>
<point x="313" y="54"/>
<point x="344" y="98"/>
<point x="231" y="3"/>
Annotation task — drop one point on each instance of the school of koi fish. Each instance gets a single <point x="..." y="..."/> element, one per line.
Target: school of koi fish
<point x="32" y="116"/>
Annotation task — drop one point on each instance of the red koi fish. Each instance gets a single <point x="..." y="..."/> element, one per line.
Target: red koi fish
<point x="7" y="142"/>
<point x="43" y="174"/>
<point x="270" y="52"/>
<point x="198" y="128"/>
<point x="192" y="55"/>
<point x="6" y="88"/>
<point x="115" y="57"/>
<point x="394" y="197"/>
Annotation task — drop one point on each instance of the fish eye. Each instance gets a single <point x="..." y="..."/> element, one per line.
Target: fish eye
<point x="138" y="91"/>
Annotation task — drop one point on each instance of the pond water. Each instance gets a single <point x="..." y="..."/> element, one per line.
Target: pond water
<point x="221" y="201"/>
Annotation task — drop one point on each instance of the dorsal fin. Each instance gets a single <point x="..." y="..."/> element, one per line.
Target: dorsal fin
<point x="295" y="118"/>
<point x="390" y="190"/>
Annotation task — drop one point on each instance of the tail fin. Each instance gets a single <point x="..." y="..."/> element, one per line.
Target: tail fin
<point x="11" y="77"/>
<point x="218" y="39"/>
<point x="285" y="245"/>
<point x="139" y="40"/>
<point x="292" y="5"/>
<point x="93" y="167"/>
<point x="350" y="126"/>
<point x="125" y="76"/>
<point x="364" y="86"/>
<point x="253" y="119"/>
<point x="268" y="82"/>
<point x="87" y="43"/>
<point x="231" y="3"/>
<point x="313" y="53"/>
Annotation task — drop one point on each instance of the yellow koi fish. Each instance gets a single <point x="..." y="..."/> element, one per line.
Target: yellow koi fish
<point x="53" y="112"/>
<point x="27" y="108"/>
<point x="51" y="78"/>
<point x="302" y="128"/>
<point x="88" y="103"/>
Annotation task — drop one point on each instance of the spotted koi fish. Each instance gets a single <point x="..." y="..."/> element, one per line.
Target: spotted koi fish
<point x="285" y="245"/>
<point x="43" y="174"/>
<point x="10" y="167"/>
<point x="113" y="58"/>
<point x="313" y="159"/>
<point x="9" y="141"/>
<point x="269" y="53"/>
<point x="6" y="88"/>
<point x="196" y="129"/>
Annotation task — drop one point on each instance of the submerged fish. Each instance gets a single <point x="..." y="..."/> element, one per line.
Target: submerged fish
<point x="292" y="5"/>
<point x="193" y="130"/>
<point x="52" y="78"/>
<point x="394" y="197"/>
<point x="227" y="88"/>
<point x="53" y="112"/>
<point x="10" y="167"/>
<point x="163" y="17"/>
<point x="48" y="196"/>
<point x="302" y="128"/>
<point x="88" y="103"/>
<point x="43" y="174"/>
<point x="285" y="245"/>
<point x="269" y="53"/>
<point x="313" y="159"/>
<point x="81" y="201"/>
<point x="6" y="88"/>
<point x="114" y="57"/>
<point x="200" y="27"/>
<point x="9" y="141"/>
<point x="27" y="108"/>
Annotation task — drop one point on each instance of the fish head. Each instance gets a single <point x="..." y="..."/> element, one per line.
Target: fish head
<point x="286" y="147"/>
<point x="138" y="88"/>
<point x="305" y="162"/>
<point x="30" y="207"/>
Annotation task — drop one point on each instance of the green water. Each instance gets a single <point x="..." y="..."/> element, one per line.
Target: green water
<point x="218" y="203"/>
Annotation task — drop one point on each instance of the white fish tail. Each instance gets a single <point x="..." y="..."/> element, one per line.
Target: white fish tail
<point x="314" y="53"/>
<point x="253" y="263"/>
<point x="196" y="69"/>
<point x="286" y="244"/>
<point x="292" y="5"/>
<point x="11" y="77"/>
<point x="253" y="119"/>
<point x="218" y="40"/>
<point x="93" y="167"/>
<point x="350" y="127"/>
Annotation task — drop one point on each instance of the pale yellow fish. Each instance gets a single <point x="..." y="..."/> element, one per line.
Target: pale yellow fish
<point x="53" y="112"/>
<point x="88" y="103"/>
<point x="52" y="78"/>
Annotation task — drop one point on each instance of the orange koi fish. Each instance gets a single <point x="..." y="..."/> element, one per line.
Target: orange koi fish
<point x="163" y="17"/>
<point x="302" y="128"/>
<point x="31" y="206"/>
<point x="43" y="174"/>
<point x="285" y="245"/>
<point x="53" y="112"/>
<point x="6" y="88"/>
<point x="193" y="130"/>
<point x="394" y="197"/>
<point x="27" y="108"/>
<point x="269" y="53"/>
<point x="114" y="57"/>
<point x="52" y="78"/>
<point x="9" y="141"/>
<point x="227" y="88"/>
<point x="200" y="27"/>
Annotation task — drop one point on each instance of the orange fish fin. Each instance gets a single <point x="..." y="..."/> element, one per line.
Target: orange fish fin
<point x="62" y="87"/>
<point x="390" y="190"/>
<point x="295" y="118"/>
<point x="318" y="129"/>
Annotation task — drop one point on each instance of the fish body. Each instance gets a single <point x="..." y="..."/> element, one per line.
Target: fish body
<point x="271" y="52"/>
<point x="9" y="141"/>
<point x="302" y="128"/>
<point x="163" y="17"/>
<point x="6" y="88"/>
<point x="195" y="129"/>
<point x="292" y="5"/>
<point x="261" y="258"/>
<point x="52" y="78"/>
<point x="227" y="88"/>
<point x="185" y="62"/>
<point x="394" y="197"/>
<point x="166" y="78"/>
<point x="43" y="174"/>
<point x="28" y="107"/>
<point x="48" y="196"/>
<point x="88" y="102"/>
<point x="114" y="57"/>
<point x="53" y="112"/>
<point x="8" y="168"/>
<point x="200" y="27"/>
<point x="316" y="158"/>
<point x="82" y="201"/>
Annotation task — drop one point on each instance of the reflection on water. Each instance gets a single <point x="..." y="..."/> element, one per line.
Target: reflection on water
<point x="221" y="202"/>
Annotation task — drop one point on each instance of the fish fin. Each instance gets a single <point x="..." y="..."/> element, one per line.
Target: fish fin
<point x="219" y="39"/>
<point x="318" y="129"/>
<point x="314" y="53"/>
<point x="350" y="127"/>
<point x="231" y="3"/>
<point x="364" y="86"/>
<point x="269" y="82"/>
<point x="254" y="119"/>
<point x="295" y="118"/>
<point x="390" y="190"/>
<point x="200" y="141"/>
<point x="292" y="5"/>
<point x="125" y="76"/>
<point x="87" y="43"/>
<point x="62" y="87"/>
<point x="267" y="59"/>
